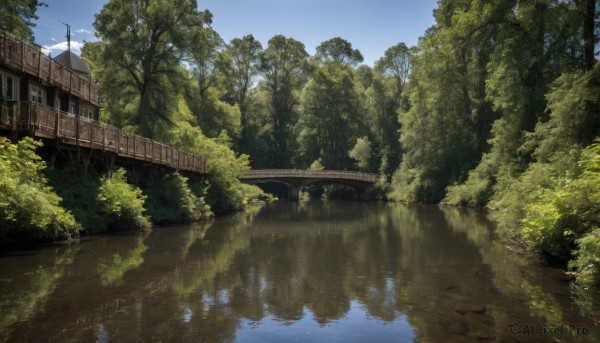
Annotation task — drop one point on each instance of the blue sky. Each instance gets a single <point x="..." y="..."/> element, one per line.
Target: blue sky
<point x="371" y="26"/>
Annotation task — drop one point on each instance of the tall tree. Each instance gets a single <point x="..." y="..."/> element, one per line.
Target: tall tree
<point x="589" y="33"/>
<point x="145" y="41"/>
<point x="17" y="16"/>
<point x="282" y="65"/>
<point x="339" y="50"/>
<point x="440" y="133"/>
<point x="331" y="106"/>
<point x="240" y="61"/>
<point x="396" y="63"/>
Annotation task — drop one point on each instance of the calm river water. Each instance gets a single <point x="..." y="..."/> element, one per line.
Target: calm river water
<point x="309" y="271"/>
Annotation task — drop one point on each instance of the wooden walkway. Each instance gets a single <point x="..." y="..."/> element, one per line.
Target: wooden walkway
<point x="47" y="122"/>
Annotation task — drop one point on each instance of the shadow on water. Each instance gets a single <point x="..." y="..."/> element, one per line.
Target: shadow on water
<point x="305" y="271"/>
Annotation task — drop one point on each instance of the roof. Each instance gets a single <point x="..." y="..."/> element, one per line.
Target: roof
<point x="72" y="61"/>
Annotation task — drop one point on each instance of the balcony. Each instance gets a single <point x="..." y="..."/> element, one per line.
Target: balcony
<point x="22" y="56"/>
<point x="47" y="122"/>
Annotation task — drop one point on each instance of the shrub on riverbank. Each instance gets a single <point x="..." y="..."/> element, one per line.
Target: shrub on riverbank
<point x="555" y="208"/>
<point x="170" y="200"/>
<point x="254" y="193"/>
<point x="122" y="203"/>
<point x="100" y="204"/>
<point x="29" y="209"/>
<point x="79" y="195"/>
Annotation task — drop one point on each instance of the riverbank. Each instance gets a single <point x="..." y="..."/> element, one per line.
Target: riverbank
<point x="40" y="204"/>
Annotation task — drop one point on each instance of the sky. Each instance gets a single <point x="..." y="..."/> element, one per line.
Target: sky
<point x="372" y="26"/>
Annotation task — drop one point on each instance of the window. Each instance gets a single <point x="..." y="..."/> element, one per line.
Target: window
<point x="9" y="87"/>
<point x="72" y="107"/>
<point x="9" y="96"/>
<point x="38" y="94"/>
<point x="87" y="112"/>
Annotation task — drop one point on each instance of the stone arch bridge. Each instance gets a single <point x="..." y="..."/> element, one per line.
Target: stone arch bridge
<point x="296" y="179"/>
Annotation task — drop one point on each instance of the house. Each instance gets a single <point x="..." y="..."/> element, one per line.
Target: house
<point x="30" y="80"/>
<point x="56" y="99"/>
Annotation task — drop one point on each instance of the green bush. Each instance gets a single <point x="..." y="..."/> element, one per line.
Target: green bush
<point x="587" y="263"/>
<point x="170" y="200"/>
<point x="254" y="193"/>
<point x="29" y="209"/>
<point x="224" y="193"/>
<point x="80" y="197"/>
<point x="123" y="204"/>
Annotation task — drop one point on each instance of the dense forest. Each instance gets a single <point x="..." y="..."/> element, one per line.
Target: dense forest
<point x="498" y="106"/>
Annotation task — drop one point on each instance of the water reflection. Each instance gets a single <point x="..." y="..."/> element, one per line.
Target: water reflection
<point x="310" y="271"/>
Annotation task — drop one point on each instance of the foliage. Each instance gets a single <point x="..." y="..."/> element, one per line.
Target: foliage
<point x="224" y="168"/>
<point x="254" y="193"/>
<point x="587" y="263"/>
<point x="30" y="210"/>
<point x="338" y="50"/>
<point x="17" y="16"/>
<point x="282" y="65"/>
<point x="170" y="200"/>
<point x="123" y="204"/>
<point x="317" y="165"/>
<point x="144" y="43"/>
<point x="361" y="153"/>
<point x="80" y="196"/>
<point x="239" y="66"/>
<point x="331" y="115"/>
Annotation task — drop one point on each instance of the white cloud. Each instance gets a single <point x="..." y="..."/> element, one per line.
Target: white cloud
<point x="87" y="32"/>
<point x="57" y="48"/>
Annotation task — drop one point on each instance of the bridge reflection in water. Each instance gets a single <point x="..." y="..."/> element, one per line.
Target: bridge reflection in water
<point x="296" y="179"/>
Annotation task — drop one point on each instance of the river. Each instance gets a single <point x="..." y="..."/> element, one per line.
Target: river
<point x="327" y="271"/>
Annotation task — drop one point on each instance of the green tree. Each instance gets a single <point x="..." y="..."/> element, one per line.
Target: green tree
<point x="282" y="66"/>
<point x="361" y="153"/>
<point x="396" y="63"/>
<point x="339" y="50"/>
<point x="516" y="90"/>
<point x="239" y="66"/>
<point x="331" y="116"/>
<point x="144" y="43"/>
<point x="17" y="16"/>
<point x="439" y="132"/>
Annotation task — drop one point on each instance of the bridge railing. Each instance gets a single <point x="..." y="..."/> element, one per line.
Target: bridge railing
<point x="28" y="58"/>
<point x="315" y="174"/>
<point x="51" y="123"/>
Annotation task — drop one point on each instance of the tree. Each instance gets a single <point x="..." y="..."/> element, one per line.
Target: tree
<point x="282" y="65"/>
<point x="331" y="116"/>
<point x="144" y="43"/>
<point x="339" y="50"/>
<point x="396" y="63"/>
<point x="240" y="62"/>
<point x="17" y="17"/>
<point x="361" y="153"/>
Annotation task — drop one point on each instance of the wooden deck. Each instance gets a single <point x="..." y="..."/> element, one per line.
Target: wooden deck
<point x="47" y="122"/>
<point x="25" y="57"/>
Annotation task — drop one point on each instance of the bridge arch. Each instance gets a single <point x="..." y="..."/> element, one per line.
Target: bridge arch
<point x="296" y="179"/>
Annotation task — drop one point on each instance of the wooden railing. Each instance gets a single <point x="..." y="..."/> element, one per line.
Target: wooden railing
<point x="27" y="58"/>
<point x="310" y="174"/>
<point x="48" y="122"/>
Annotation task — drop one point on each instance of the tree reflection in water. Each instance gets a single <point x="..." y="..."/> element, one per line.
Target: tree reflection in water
<point x="309" y="271"/>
